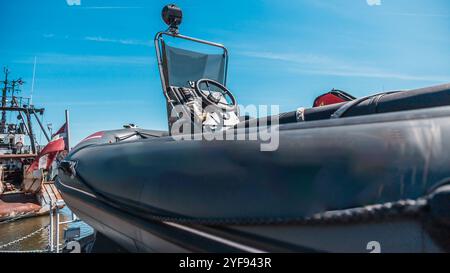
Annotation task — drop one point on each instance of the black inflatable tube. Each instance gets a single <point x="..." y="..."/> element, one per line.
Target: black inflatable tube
<point x="390" y="102"/>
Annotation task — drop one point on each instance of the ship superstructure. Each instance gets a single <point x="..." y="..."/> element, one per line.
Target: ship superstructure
<point x="21" y="192"/>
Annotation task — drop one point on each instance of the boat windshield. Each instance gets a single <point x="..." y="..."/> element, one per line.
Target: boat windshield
<point x="182" y="66"/>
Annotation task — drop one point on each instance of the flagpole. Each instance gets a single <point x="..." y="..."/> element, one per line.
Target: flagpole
<point x="68" y="129"/>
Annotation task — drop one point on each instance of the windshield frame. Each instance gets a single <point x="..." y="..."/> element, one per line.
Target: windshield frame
<point x="159" y="40"/>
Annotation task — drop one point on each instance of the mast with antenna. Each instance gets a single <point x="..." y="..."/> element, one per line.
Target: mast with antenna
<point x="4" y="92"/>
<point x="8" y="86"/>
<point x="32" y="82"/>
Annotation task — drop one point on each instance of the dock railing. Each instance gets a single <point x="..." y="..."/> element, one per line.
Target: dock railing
<point x="70" y="234"/>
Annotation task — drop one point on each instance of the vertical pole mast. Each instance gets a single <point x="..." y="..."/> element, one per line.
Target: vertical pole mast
<point x="30" y="130"/>
<point x="4" y="93"/>
<point x="32" y="82"/>
<point x="47" y="137"/>
<point x="68" y="130"/>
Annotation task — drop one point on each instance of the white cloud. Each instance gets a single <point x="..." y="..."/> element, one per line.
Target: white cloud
<point x="417" y="14"/>
<point x="289" y="57"/>
<point x="90" y="103"/>
<point x="361" y="73"/>
<point x="73" y="2"/>
<point x="118" y="41"/>
<point x="373" y="2"/>
<point x="78" y="3"/>
<point x="62" y="59"/>
<point x="114" y="7"/>
<point x="324" y="65"/>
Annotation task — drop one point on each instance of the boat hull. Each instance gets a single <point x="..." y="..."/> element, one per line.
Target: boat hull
<point x="137" y="234"/>
<point x="347" y="185"/>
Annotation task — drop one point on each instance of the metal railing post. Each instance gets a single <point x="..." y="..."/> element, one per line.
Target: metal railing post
<point x="50" y="241"/>
<point x="57" y="228"/>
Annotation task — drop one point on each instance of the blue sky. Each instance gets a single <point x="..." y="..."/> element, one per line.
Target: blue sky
<point x="97" y="59"/>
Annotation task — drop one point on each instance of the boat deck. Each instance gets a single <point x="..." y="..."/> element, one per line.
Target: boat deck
<point x="50" y="193"/>
<point x="15" y="204"/>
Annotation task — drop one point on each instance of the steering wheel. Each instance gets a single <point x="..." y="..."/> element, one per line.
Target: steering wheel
<point x="211" y="98"/>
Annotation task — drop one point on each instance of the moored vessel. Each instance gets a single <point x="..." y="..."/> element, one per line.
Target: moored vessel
<point x="26" y="185"/>
<point x="366" y="174"/>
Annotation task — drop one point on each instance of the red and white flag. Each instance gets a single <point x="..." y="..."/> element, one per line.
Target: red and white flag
<point x="51" y="150"/>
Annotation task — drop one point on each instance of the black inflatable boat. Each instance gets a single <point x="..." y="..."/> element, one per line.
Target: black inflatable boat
<point x="367" y="175"/>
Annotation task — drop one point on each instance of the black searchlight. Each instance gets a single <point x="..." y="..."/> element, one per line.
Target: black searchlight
<point x="172" y="16"/>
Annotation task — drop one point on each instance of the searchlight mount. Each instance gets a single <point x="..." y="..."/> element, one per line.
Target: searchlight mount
<point x="172" y="16"/>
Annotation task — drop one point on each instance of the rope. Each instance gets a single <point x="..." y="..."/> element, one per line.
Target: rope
<point x="25" y="251"/>
<point x="24" y="237"/>
<point x="401" y="208"/>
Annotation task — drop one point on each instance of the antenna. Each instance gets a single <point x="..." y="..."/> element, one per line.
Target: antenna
<point x="4" y="93"/>
<point x="32" y="82"/>
<point x="6" y="71"/>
